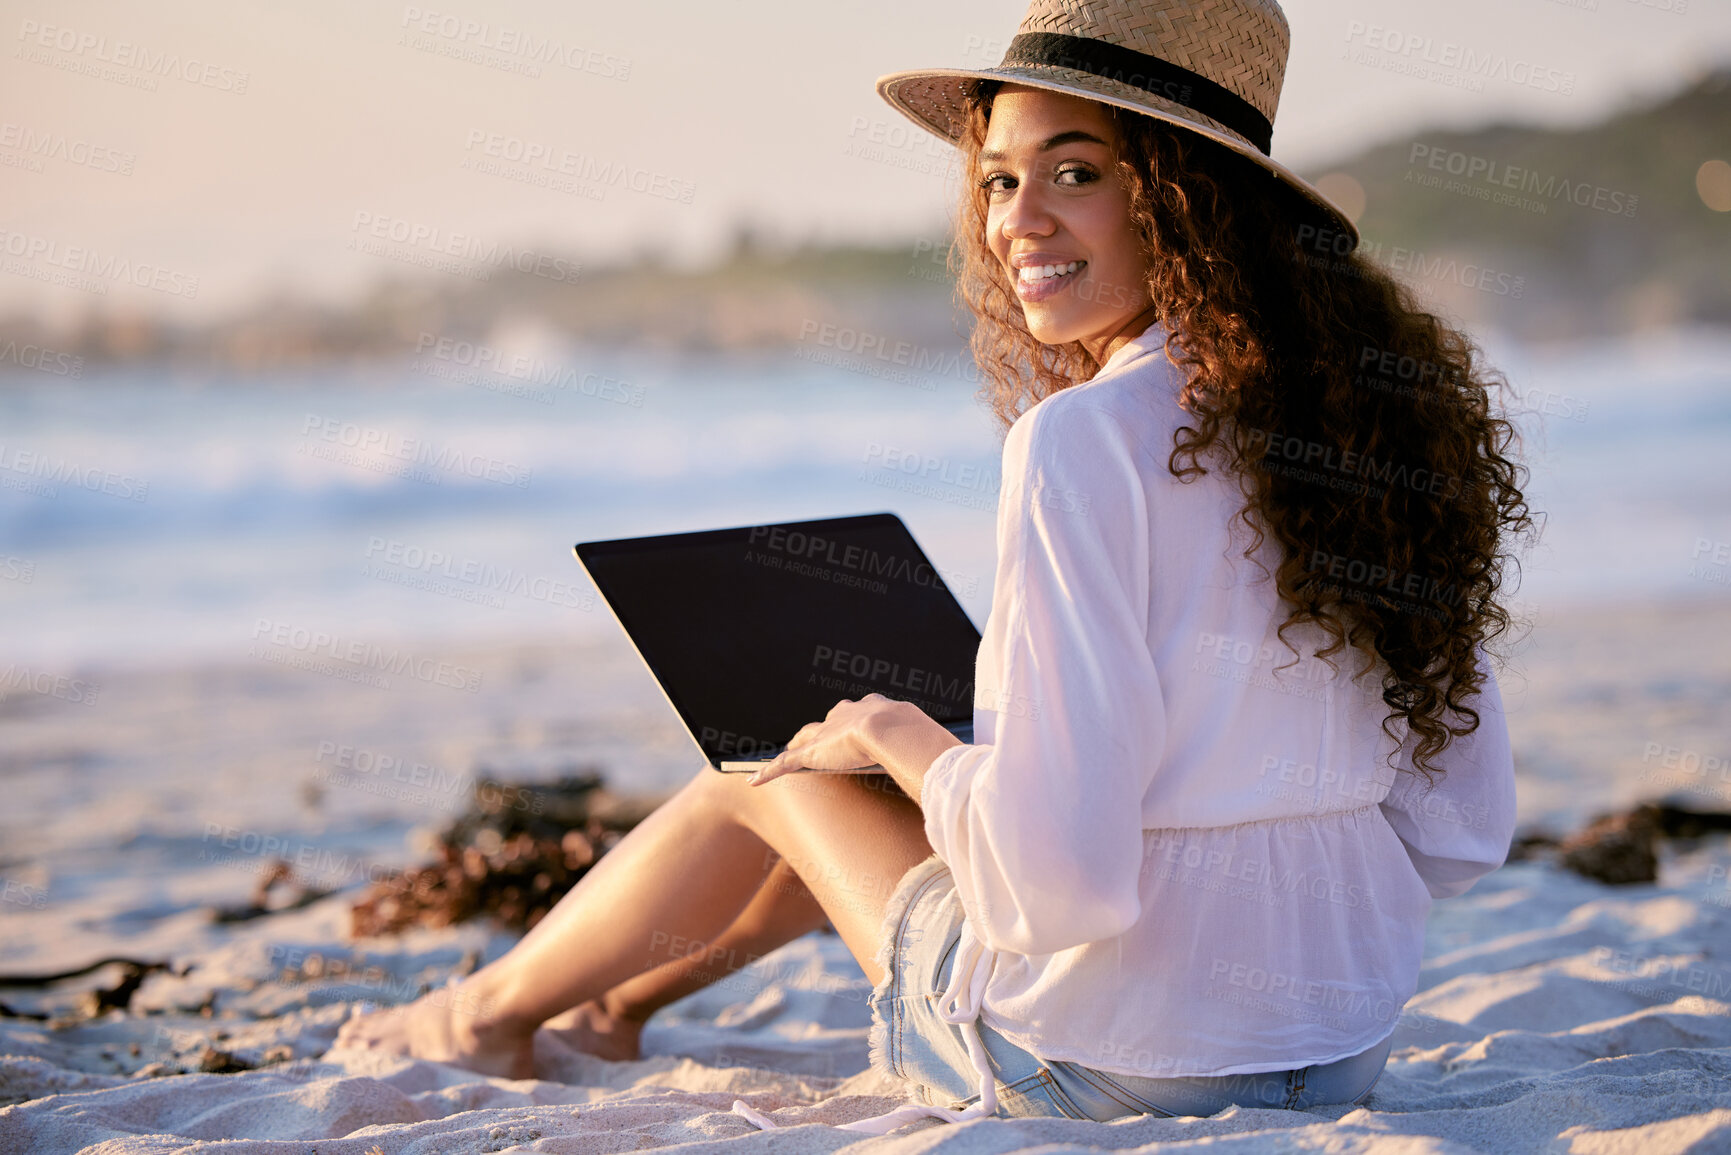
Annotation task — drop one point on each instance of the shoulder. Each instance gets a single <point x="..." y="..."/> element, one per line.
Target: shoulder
<point x="1126" y="413"/>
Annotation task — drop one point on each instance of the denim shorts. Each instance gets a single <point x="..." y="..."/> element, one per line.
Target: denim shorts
<point x="923" y="923"/>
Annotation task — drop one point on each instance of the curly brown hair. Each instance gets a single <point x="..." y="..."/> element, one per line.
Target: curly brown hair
<point x="1394" y="544"/>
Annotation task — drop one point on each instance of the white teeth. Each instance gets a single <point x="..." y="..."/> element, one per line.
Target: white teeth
<point x="1041" y="272"/>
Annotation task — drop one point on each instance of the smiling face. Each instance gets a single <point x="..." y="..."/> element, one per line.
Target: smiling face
<point x="1058" y="218"/>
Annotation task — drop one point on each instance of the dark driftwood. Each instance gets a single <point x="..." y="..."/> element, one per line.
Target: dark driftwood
<point x="279" y="874"/>
<point x="91" y="1004"/>
<point x="48" y="980"/>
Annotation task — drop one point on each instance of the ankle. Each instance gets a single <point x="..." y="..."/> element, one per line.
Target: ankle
<point x="485" y="1010"/>
<point x="623" y="1011"/>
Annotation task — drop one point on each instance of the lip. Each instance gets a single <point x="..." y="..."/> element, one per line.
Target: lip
<point x="1035" y="291"/>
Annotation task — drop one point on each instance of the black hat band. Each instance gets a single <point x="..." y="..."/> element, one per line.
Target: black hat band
<point x="1151" y="74"/>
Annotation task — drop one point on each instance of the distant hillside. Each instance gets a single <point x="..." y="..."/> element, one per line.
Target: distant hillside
<point x="753" y="299"/>
<point x="1540" y="232"/>
<point x="1603" y="223"/>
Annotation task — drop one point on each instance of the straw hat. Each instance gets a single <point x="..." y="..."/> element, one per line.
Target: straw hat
<point x="1211" y="66"/>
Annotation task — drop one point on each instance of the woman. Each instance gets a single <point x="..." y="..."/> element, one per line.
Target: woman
<point x="1240" y="727"/>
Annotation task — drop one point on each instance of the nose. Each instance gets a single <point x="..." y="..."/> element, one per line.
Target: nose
<point x="1027" y="214"/>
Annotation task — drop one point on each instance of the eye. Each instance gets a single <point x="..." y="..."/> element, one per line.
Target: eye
<point x="1081" y="173"/>
<point x="992" y="183"/>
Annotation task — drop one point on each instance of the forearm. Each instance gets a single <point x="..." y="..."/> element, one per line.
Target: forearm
<point x="906" y="742"/>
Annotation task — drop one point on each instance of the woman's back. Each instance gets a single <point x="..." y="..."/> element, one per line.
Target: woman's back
<point x="1184" y="843"/>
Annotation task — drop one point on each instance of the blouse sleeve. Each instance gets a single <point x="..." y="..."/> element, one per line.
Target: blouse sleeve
<point x="1041" y="826"/>
<point x="1459" y="829"/>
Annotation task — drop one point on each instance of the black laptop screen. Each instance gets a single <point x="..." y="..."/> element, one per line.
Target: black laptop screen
<point x="753" y="632"/>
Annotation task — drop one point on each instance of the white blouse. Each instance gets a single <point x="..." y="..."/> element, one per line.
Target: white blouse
<point x="1182" y="851"/>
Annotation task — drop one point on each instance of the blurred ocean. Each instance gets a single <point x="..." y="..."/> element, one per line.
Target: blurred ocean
<point x="150" y="517"/>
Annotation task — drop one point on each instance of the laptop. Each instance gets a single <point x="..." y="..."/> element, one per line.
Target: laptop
<point x="755" y="631"/>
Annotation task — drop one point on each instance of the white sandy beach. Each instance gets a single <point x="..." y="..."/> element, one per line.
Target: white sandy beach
<point x="1554" y="1013"/>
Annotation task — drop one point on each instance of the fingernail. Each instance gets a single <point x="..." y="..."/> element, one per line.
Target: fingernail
<point x="756" y="777"/>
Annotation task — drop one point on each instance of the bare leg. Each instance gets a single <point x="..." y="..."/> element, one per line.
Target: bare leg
<point x="686" y="873"/>
<point x="611" y="1026"/>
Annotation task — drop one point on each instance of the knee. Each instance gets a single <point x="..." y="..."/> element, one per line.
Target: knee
<point x="712" y="781"/>
<point x="731" y="794"/>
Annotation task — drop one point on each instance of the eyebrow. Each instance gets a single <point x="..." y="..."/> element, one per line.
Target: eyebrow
<point x="1070" y="137"/>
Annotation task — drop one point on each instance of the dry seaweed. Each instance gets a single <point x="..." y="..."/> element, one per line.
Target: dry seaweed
<point x="513" y="855"/>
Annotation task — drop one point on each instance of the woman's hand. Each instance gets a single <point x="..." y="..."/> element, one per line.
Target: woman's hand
<point x="896" y="735"/>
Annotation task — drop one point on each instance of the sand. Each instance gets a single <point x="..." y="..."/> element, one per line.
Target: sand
<point x="1554" y="1013"/>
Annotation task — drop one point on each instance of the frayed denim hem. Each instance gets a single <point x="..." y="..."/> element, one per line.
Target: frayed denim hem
<point x="889" y="962"/>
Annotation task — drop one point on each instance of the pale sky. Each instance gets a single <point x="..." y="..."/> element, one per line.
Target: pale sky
<point x="275" y="126"/>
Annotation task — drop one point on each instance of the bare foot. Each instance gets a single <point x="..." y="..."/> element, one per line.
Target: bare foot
<point x="590" y="1028"/>
<point x="448" y="1025"/>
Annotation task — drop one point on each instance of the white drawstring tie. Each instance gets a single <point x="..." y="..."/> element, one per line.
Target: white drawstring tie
<point x="960" y="1005"/>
